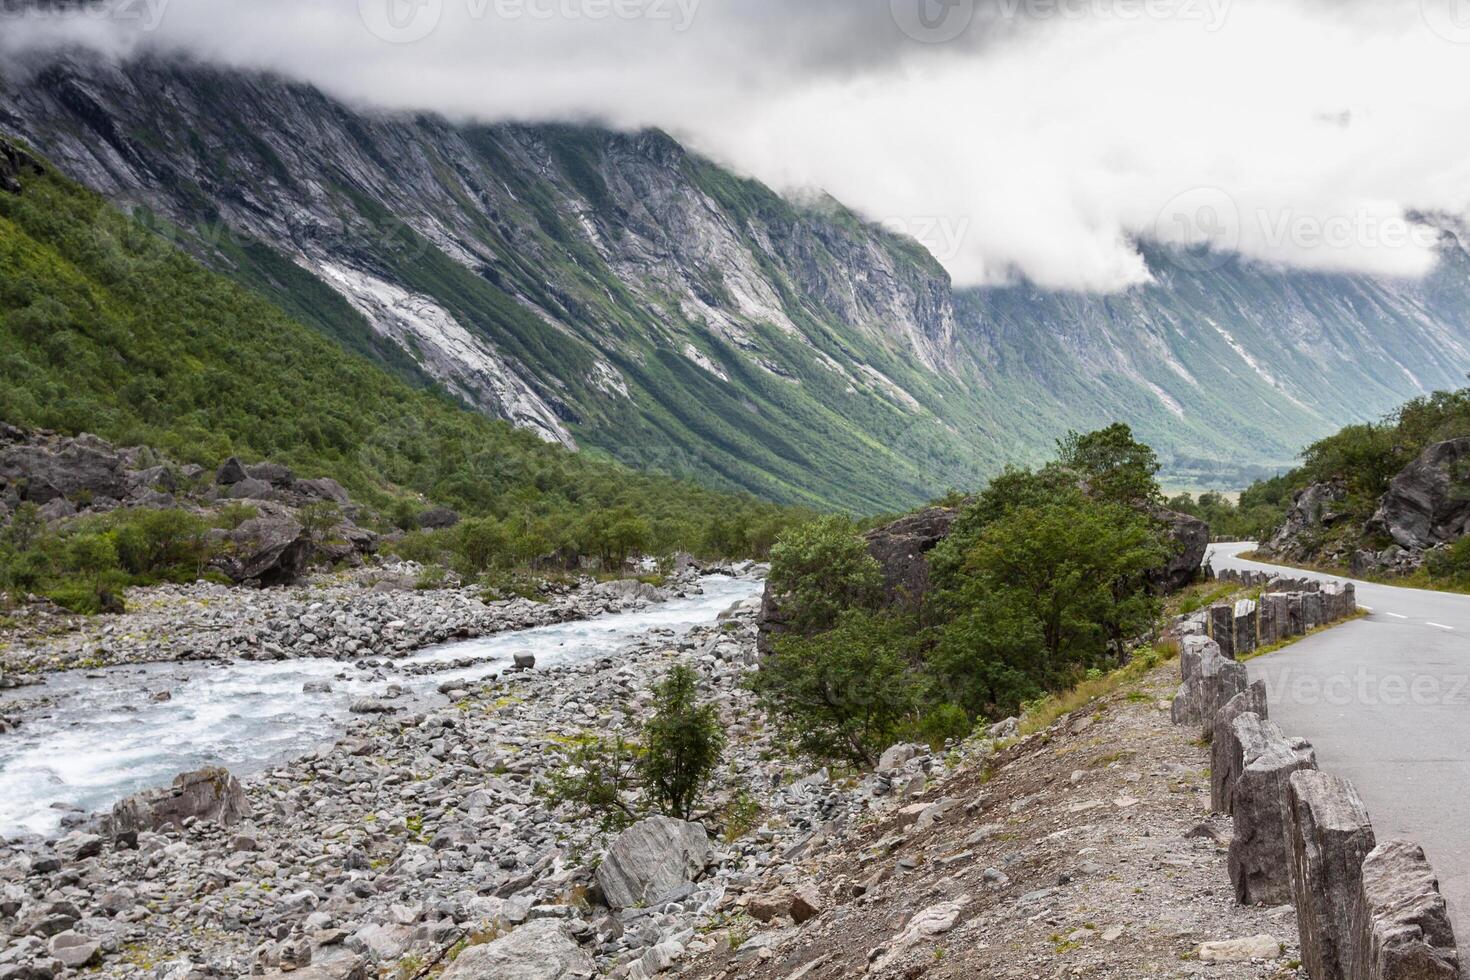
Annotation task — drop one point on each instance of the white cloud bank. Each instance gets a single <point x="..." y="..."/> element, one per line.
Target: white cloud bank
<point x="1034" y="138"/>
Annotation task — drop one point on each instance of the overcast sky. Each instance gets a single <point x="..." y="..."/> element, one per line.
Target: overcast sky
<point x="1034" y="138"/>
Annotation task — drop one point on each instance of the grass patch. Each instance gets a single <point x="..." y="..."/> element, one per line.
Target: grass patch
<point x="1043" y="714"/>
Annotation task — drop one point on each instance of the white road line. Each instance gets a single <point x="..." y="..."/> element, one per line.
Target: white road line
<point x="1397" y="615"/>
<point x="1368" y="608"/>
<point x="1441" y="626"/>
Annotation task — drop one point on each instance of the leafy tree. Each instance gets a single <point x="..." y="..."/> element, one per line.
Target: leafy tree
<point x="1071" y="573"/>
<point x="682" y="744"/>
<point x="847" y="692"/>
<point x="820" y="570"/>
<point x="1113" y="465"/>
<point x="666" y="771"/>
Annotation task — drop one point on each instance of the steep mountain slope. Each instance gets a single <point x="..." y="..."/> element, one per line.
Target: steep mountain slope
<point x="1233" y="370"/>
<point x="616" y="293"/>
<point x="105" y="328"/>
<point x="600" y="289"/>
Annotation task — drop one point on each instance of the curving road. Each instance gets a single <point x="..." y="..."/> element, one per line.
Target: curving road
<point x="1386" y="702"/>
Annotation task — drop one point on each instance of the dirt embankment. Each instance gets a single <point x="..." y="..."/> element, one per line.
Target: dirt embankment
<point x="1086" y="850"/>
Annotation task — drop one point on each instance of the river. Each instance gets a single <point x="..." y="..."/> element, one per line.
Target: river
<point x="110" y="734"/>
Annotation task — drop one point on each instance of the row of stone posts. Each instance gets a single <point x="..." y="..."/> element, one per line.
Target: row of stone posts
<point x="1365" y="910"/>
<point x="1242" y="627"/>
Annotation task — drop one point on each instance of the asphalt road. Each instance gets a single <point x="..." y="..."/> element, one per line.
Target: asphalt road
<point x="1386" y="702"/>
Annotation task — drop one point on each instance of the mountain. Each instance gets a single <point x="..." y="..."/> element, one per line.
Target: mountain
<point x="616" y="293"/>
<point x="109" y="330"/>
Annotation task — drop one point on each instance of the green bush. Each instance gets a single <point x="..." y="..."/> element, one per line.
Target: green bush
<point x="820" y="570"/>
<point x="617" y="781"/>
<point x="682" y="745"/>
<point x="845" y="693"/>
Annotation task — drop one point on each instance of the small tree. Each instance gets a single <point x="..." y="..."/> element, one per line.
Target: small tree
<point x="845" y="693"/>
<point x="682" y="744"/>
<point x="821" y="570"/>
<point x="1114" y="466"/>
<point x="618" y="781"/>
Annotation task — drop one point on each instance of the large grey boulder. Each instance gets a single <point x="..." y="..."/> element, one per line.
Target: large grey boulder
<point x="271" y="549"/>
<point x="902" y="550"/>
<point x="339" y="965"/>
<point x="538" y="950"/>
<point x="1402" y="930"/>
<point x="1189" y="539"/>
<point x="1210" y="681"/>
<point x="1313" y="509"/>
<point x="1259" y="858"/>
<point x="274" y="473"/>
<point x="250" y="489"/>
<point x="651" y="859"/>
<point x="1424" y="506"/>
<point x="80" y="470"/>
<point x="1330" y="835"/>
<point x="208" y="794"/>
<point x="1225" y="750"/>
<point x="230" y="472"/>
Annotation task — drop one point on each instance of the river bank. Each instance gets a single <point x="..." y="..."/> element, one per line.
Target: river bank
<point x="375" y="611"/>
<point x="419" y="832"/>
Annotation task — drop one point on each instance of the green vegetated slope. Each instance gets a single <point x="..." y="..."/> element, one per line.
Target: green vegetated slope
<point x="107" y="328"/>
<point x="1231" y="370"/>
<point x="616" y="291"/>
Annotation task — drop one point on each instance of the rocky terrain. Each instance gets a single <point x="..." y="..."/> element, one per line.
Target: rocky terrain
<point x="420" y="839"/>
<point x="1425" y="508"/>
<point x="374" y="611"/>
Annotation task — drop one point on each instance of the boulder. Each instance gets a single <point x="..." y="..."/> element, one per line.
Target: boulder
<point x="438" y="518"/>
<point x="1189" y="539"/>
<point x="250" y="489"/>
<point x="271" y="549"/>
<point x="1225" y="748"/>
<point x="539" y="950"/>
<point x="1259" y="858"/>
<point x="230" y="472"/>
<point x="1210" y="681"/>
<point x="80" y="469"/>
<point x="1330" y="835"/>
<point x="1249" y="949"/>
<point x="1402" y="930"/>
<point x="276" y="474"/>
<point x="323" y="488"/>
<point x="208" y="794"/>
<point x="902" y="550"/>
<point x="338" y="965"/>
<point x="651" y="859"/>
<point x="1313" y="509"/>
<point x="1424" y="505"/>
<point x="74" y="950"/>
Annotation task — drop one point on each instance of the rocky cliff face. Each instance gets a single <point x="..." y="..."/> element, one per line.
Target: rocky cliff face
<point x="616" y="292"/>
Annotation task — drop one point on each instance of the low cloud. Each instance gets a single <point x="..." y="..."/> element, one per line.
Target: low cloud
<point x="1035" y="139"/>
